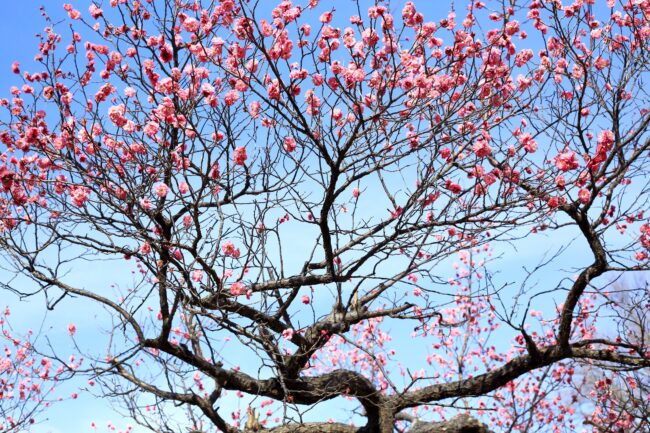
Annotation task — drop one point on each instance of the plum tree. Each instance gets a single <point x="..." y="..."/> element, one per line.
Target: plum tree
<point x="292" y="182"/>
<point x="27" y="379"/>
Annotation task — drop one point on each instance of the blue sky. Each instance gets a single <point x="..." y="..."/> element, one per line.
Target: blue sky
<point x="19" y="22"/>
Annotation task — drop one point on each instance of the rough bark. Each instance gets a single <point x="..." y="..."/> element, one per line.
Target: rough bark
<point x="459" y="424"/>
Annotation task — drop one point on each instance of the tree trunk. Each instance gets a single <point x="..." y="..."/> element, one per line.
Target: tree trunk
<point x="458" y="424"/>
